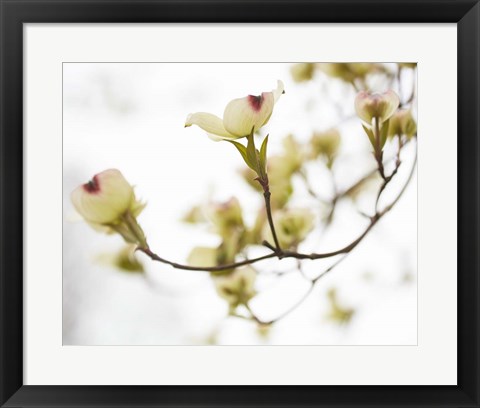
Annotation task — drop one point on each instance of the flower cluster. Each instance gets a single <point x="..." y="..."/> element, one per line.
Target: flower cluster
<point x="108" y="202"/>
<point x="351" y="73"/>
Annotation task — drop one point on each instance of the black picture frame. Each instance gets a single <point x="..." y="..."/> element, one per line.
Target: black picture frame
<point x="14" y="13"/>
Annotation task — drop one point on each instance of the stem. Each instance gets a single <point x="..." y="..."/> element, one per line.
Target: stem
<point x="345" y="250"/>
<point x="279" y="253"/>
<point x="218" y="268"/>
<point x="268" y="209"/>
<point x="378" y="151"/>
<point x="387" y="180"/>
<point x="286" y="312"/>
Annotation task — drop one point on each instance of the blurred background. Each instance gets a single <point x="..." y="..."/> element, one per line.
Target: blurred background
<point x="131" y="117"/>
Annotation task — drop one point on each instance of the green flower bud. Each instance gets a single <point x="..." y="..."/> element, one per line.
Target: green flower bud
<point x="302" y="72"/>
<point x="238" y="287"/>
<point x="402" y="123"/>
<point x="280" y="182"/>
<point x="293" y="156"/>
<point x="338" y="70"/>
<point x="361" y="69"/>
<point x="292" y="226"/>
<point x="249" y="177"/>
<point x="195" y="215"/>
<point x="376" y="106"/>
<point x="338" y="313"/>
<point x="350" y="72"/>
<point x="124" y="260"/>
<point x="226" y="216"/>
<point x="325" y="144"/>
<point x="412" y="65"/>
<point x="108" y="204"/>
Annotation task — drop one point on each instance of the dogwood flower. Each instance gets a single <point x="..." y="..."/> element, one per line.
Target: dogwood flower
<point x="237" y="287"/>
<point x="107" y="203"/>
<point x="325" y="144"/>
<point x="376" y="106"/>
<point x="302" y="72"/>
<point x="240" y="117"/>
<point x="292" y="226"/>
<point x="125" y="260"/>
<point x="226" y="216"/>
<point x="402" y="123"/>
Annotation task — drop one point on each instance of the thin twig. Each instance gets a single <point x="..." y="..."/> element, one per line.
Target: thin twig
<point x="314" y="281"/>
<point x="217" y="268"/>
<point x="280" y="254"/>
<point x="268" y="209"/>
<point x="387" y="180"/>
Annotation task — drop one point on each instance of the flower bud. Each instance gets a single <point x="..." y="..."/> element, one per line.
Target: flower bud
<point x="302" y="72"/>
<point x="241" y="116"/>
<point x="105" y="198"/>
<point x="280" y="182"/>
<point x="402" y="123"/>
<point x="195" y="215"/>
<point x="338" y="313"/>
<point x="376" y="106"/>
<point x="361" y="69"/>
<point x="238" y="287"/>
<point x="292" y="226"/>
<point x="325" y="144"/>
<point x="226" y="216"/>
<point x="293" y="155"/>
<point x="123" y="260"/>
<point x="350" y="72"/>
<point x="411" y="65"/>
<point x="249" y="177"/>
<point x="108" y="203"/>
<point x="337" y="70"/>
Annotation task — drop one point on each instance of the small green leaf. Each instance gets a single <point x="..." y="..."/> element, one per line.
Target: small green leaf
<point x="384" y="133"/>
<point x="263" y="156"/>
<point x="243" y="151"/>
<point x="263" y="150"/>
<point x="252" y="155"/>
<point x="370" y="135"/>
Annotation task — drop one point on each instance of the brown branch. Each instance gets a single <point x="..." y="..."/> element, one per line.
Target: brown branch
<point x="347" y="250"/>
<point x="217" y="268"/>
<point x="268" y="209"/>
<point x="280" y="254"/>
<point x="387" y="180"/>
<point x="285" y="313"/>
<point x="341" y="194"/>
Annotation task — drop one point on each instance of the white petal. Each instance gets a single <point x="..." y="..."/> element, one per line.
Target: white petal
<point x="362" y="102"/>
<point x="104" y="199"/>
<point x="381" y="106"/>
<point x="277" y="93"/>
<point x="391" y="101"/>
<point x="244" y="114"/>
<point x="211" y="124"/>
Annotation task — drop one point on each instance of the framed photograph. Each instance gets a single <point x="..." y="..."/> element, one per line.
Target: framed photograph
<point x="237" y="203"/>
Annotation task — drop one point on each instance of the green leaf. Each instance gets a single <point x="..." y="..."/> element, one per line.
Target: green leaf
<point x="252" y="155"/>
<point x="370" y="135"/>
<point x="384" y="133"/>
<point x="263" y="155"/>
<point x="263" y="150"/>
<point x="243" y="151"/>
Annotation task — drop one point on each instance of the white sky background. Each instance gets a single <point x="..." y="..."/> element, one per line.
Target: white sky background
<point x="131" y="117"/>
